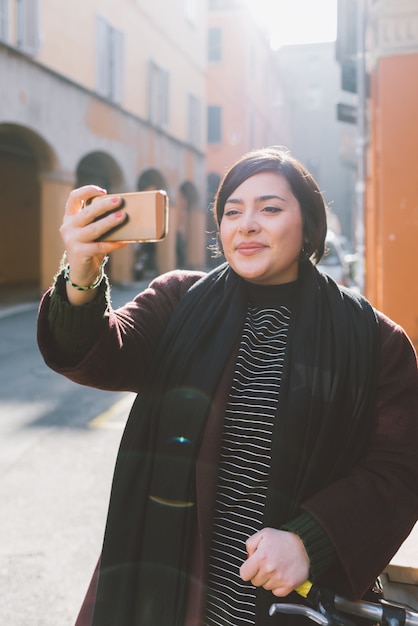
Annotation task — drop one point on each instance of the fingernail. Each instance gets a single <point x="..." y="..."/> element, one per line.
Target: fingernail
<point x="119" y="214"/>
<point x="115" y="200"/>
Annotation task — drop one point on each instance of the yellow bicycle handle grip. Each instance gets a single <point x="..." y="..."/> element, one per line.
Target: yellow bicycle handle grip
<point x="304" y="589"/>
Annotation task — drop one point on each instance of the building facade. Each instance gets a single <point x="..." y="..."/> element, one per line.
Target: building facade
<point x="244" y="95"/>
<point x="99" y="92"/>
<point x="311" y="82"/>
<point x="392" y="158"/>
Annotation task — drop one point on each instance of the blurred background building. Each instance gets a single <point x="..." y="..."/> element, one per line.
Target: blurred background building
<point x="391" y="209"/>
<point x="245" y="101"/>
<point x="377" y="48"/>
<point x="106" y="93"/>
<point x="169" y="93"/>
<point x="311" y="83"/>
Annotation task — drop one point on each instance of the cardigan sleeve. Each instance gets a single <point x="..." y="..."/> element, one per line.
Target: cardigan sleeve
<point x="75" y="329"/>
<point x="369" y="513"/>
<point x="318" y="546"/>
<point x="124" y="339"/>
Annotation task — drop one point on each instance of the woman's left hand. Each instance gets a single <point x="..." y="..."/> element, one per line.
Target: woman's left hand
<point x="277" y="561"/>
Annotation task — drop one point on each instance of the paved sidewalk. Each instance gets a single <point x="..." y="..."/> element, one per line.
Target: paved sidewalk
<point x="27" y="299"/>
<point x="400" y="579"/>
<point x="401" y="576"/>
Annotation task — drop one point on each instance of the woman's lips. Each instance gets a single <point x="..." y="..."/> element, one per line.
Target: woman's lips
<point x="249" y="248"/>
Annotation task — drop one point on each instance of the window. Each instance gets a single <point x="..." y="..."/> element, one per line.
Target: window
<point x="214" y="124"/>
<point x="194" y="121"/>
<point x="158" y="85"/>
<point x="214" y="45"/>
<point x="109" y="61"/>
<point x="190" y="11"/>
<point x="27" y="25"/>
<point x="4" y="20"/>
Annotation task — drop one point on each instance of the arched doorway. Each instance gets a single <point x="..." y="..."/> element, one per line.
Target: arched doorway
<point x="189" y="201"/>
<point x="99" y="168"/>
<point x="23" y="156"/>
<point x="213" y="182"/>
<point x="151" y="179"/>
<point x="146" y="261"/>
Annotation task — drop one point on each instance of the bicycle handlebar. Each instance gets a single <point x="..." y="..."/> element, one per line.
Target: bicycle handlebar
<point x="328" y="609"/>
<point x="299" y="609"/>
<point x="388" y="612"/>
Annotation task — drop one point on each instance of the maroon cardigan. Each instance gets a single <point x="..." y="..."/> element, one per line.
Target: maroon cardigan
<point x="367" y="514"/>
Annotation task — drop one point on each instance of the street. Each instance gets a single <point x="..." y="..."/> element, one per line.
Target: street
<point x="59" y="443"/>
<point x="58" y="447"/>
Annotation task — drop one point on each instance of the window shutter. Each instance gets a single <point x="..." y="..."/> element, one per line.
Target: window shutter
<point x="151" y="88"/>
<point x="214" y="124"/>
<point x="102" y="52"/>
<point x="165" y="85"/>
<point x="118" y="65"/>
<point x="28" y="26"/>
<point x="158" y="94"/>
<point x="194" y="121"/>
<point x="214" y="45"/>
<point x="4" y="20"/>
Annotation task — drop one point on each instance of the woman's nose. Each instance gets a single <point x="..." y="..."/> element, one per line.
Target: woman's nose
<point x="249" y="223"/>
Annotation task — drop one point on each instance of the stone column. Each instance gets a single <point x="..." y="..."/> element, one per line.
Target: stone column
<point x="165" y="250"/>
<point x="54" y="189"/>
<point x="196" y="239"/>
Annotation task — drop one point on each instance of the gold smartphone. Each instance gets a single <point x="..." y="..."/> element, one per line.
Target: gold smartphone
<point x="146" y="217"/>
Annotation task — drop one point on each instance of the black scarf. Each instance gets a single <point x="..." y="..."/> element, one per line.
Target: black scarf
<point x="323" y="422"/>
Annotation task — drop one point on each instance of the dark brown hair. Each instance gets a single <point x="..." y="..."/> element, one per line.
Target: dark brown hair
<point x="303" y="185"/>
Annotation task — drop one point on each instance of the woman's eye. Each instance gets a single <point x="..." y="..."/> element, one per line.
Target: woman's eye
<point x="230" y="212"/>
<point x="271" y="209"/>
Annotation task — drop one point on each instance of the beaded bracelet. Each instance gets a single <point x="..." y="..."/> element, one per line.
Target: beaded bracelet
<point x="93" y="285"/>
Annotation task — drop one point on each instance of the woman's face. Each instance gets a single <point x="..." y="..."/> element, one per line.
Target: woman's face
<point x="261" y="230"/>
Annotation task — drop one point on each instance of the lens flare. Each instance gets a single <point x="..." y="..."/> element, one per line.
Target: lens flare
<point x="177" y="504"/>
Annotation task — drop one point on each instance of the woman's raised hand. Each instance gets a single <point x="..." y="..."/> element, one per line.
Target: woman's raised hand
<point x="80" y="232"/>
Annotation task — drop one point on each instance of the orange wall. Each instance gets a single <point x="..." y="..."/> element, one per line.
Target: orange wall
<point x="20" y="220"/>
<point x="157" y="30"/>
<point x="392" y="199"/>
<point x="245" y="84"/>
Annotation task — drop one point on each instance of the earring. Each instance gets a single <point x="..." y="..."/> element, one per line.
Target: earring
<point x="304" y="253"/>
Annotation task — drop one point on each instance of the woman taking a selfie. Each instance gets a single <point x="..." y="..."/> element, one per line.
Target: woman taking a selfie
<point x="274" y="436"/>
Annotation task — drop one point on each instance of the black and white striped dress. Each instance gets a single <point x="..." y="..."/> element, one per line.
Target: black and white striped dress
<point x="245" y="462"/>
